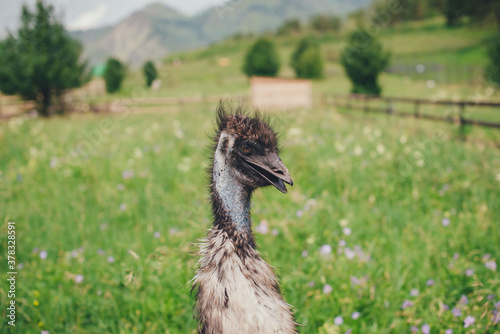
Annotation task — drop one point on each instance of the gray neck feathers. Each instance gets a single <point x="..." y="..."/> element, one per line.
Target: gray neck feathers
<point x="235" y="198"/>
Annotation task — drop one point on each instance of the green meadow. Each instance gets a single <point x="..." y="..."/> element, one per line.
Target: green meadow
<point x="392" y="225"/>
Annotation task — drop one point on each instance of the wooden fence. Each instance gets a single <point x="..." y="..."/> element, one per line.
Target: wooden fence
<point x="12" y="108"/>
<point x="448" y="111"/>
<point x="454" y="111"/>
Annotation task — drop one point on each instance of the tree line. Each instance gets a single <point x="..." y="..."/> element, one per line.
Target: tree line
<point x="456" y="12"/>
<point x="363" y="59"/>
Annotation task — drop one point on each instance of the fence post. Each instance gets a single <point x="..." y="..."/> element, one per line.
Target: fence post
<point x="461" y="111"/>
<point x="324" y="99"/>
<point x="389" y="107"/>
<point x="416" y="111"/>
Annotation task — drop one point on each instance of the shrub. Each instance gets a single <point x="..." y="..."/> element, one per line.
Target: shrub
<point x="306" y="59"/>
<point x="114" y="75"/>
<point x="150" y="72"/>
<point x="289" y="27"/>
<point x="492" y="71"/>
<point x="363" y="58"/>
<point x="262" y="59"/>
<point x="323" y="23"/>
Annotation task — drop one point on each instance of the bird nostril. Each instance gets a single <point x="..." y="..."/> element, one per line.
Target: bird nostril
<point x="277" y="171"/>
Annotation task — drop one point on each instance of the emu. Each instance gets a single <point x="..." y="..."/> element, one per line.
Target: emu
<point x="236" y="290"/>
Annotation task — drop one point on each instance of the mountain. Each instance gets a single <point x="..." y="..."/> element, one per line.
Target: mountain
<point x="157" y="30"/>
<point x="147" y="34"/>
<point x="260" y="15"/>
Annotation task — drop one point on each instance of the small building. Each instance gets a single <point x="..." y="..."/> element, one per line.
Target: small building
<point x="276" y="93"/>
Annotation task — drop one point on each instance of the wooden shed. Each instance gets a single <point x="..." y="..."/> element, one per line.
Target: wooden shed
<point x="277" y="93"/>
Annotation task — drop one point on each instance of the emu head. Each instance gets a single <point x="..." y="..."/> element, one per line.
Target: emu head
<point x="248" y="147"/>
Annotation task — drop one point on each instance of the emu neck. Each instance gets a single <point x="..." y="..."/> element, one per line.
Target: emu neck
<point x="230" y="199"/>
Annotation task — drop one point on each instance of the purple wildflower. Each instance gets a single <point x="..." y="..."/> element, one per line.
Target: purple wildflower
<point x="305" y="253"/>
<point x="469" y="272"/>
<point x="456" y="312"/>
<point x="406" y="304"/>
<point x="414" y="329"/>
<point x="355" y="315"/>
<point x="346" y="231"/>
<point x="123" y="207"/>
<point x="468" y="321"/>
<point x="495" y="317"/>
<point x="430" y="282"/>
<point x="262" y="228"/>
<point x="426" y="329"/>
<point x="342" y="243"/>
<point x="157" y="235"/>
<point x="43" y="254"/>
<point x="327" y="288"/>
<point x="491" y="296"/>
<point x="349" y="253"/>
<point x="275" y="232"/>
<point x="299" y="213"/>
<point x="325" y="250"/>
<point x="492" y="265"/>
<point x="445" y="307"/>
<point x="311" y="284"/>
<point x="338" y="320"/>
<point x="111" y="259"/>
<point x="445" y="222"/>
<point x="78" y="279"/>
<point x="448" y="331"/>
<point x="101" y="251"/>
<point x="414" y="292"/>
<point x="464" y="300"/>
<point x="74" y="253"/>
<point x="497" y="305"/>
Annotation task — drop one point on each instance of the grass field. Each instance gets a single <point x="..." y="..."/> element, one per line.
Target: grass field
<point x="107" y="209"/>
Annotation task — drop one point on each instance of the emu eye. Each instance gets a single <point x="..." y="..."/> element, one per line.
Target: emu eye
<point x="245" y="148"/>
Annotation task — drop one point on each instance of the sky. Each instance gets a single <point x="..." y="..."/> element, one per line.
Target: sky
<point x="90" y="14"/>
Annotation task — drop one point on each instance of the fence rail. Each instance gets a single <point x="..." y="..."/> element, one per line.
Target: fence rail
<point x="19" y="107"/>
<point x="353" y="101"/>
<point x="348" y="101"/>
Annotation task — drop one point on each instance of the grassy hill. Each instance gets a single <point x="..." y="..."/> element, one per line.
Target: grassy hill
<point x="449" y="51"/>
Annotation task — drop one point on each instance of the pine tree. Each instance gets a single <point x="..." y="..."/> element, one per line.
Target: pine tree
<point x="41" y="61"/>
<point x="114" y="75"/>
<point x="306" y="59"/>
<point x="363" y="59"/>
<point x="150" y="72"/>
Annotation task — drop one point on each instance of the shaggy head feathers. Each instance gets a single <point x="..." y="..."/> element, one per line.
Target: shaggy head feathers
<point x="237" y="121"/>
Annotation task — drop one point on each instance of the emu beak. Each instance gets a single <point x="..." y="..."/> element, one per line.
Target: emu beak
<point x="271" y="168"/>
